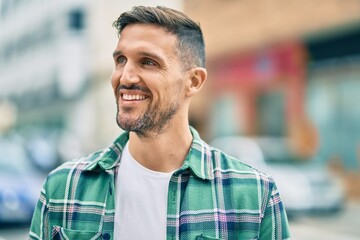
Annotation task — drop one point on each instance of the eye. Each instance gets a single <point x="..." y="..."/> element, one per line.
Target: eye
<point x="149" y="62"/>
<point x="121" y="60"/>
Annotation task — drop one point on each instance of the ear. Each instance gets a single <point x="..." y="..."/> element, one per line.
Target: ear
<point x="196" y="80"/>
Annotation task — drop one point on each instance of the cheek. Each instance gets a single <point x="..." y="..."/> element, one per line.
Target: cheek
<point x="115" y="79"/>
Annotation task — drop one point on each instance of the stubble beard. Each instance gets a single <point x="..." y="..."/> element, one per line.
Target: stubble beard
<point x="152" y="123"/>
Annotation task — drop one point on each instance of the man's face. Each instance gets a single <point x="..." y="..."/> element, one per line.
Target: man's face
<point x="147" y="79"/>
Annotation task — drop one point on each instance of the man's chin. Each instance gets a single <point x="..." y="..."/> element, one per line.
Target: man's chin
<point x="128" y="124"/>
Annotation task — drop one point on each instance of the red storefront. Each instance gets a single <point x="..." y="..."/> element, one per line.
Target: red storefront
<point x="279" y="70"/>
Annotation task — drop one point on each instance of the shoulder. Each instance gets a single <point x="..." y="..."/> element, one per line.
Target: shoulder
<point x="215" y="161"/>
<point x="239" y="177"/>
<point x="209" y="162"/>
<point x="236" y="167"/>
<point x="230" y="162"/>
<point x="69" y="169"/>
<point x="236" y="178"/>
<point x="79" y="163"/>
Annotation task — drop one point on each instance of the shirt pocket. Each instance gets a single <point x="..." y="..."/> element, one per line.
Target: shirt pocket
<point x="60" y="233"/>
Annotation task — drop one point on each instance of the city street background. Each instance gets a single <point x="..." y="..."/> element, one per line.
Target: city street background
<point x="282" y="90"/>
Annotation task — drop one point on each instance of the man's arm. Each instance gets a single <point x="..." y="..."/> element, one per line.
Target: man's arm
<point x="275" y="223"/>
<point x="39" y="225"/>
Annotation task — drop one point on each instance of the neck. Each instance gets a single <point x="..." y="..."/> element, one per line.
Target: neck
<point x="163" y="152"/>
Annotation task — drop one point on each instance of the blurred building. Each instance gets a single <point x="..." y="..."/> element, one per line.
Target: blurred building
<point x="55" y="68"/>
<point x="44" y="56"/>
<point x="44" y="61"/>
<point x="284" y="68"/>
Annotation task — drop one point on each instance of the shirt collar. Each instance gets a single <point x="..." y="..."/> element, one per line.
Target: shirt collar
<point x="109" y="157"/>
<point x="198" y="160"/>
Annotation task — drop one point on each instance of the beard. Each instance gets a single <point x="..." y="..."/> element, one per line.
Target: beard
<point x="152" y="122"/>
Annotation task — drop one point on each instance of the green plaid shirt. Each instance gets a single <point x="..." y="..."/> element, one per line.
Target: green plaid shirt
<point x="212" y="196"/>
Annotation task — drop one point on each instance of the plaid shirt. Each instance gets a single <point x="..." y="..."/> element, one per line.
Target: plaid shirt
<point x="212" y="196"/>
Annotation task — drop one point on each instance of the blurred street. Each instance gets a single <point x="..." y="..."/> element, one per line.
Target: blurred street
<point x="344" y="226"/>
<point x="13" y="232"/>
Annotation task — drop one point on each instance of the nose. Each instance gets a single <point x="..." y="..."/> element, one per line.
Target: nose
<point x="129" y="74"/>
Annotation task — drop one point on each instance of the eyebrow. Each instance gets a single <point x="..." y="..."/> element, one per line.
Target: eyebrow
<point x="143" y="54"/>
<point x="116" y="53"/>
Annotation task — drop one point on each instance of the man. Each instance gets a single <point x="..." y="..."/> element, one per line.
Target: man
<point x="158" y="180"/>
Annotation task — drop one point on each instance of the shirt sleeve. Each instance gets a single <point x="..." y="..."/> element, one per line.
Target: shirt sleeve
<point x="39" y="228"/>
<point x="274" y="224"/>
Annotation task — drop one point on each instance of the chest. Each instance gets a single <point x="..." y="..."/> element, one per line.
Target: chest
<point x="218" y="208"/>
<point x="223" y="208"/>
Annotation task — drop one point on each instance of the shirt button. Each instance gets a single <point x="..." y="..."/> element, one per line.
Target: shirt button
<point x="106" y="236"/>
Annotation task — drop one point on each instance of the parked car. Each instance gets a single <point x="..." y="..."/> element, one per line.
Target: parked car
<point x="20" y="183"/>
<point x="305" y="187"/>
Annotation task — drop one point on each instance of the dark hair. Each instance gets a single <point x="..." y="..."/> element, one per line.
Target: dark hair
<point x="190" y="46"/>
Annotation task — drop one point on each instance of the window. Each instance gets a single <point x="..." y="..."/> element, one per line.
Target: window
<point x="76" y="19"/>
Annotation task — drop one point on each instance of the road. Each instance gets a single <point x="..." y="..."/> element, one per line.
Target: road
<point x="341" y="226"/>
<point x="14" y="232"/>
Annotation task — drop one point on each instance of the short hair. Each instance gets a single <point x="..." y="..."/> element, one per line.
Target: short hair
<point x="190" y="41"/>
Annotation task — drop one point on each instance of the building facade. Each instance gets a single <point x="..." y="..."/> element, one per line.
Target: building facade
<point x="55" y="68"/>
<point x="264" y="59"/>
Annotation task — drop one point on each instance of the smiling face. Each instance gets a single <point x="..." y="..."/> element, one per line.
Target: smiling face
<point x="148" y="79"/>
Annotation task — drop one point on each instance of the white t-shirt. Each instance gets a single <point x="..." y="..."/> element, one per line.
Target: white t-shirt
<point x="141" y="201"/>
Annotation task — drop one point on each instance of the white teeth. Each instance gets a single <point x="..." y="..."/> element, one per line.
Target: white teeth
<point x="133" y="97"/>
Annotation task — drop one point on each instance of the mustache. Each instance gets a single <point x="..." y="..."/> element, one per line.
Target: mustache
<point x="133" y="87"/>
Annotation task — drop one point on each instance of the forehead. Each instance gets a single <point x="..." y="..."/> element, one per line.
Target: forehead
<point x="147" y="37"/>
